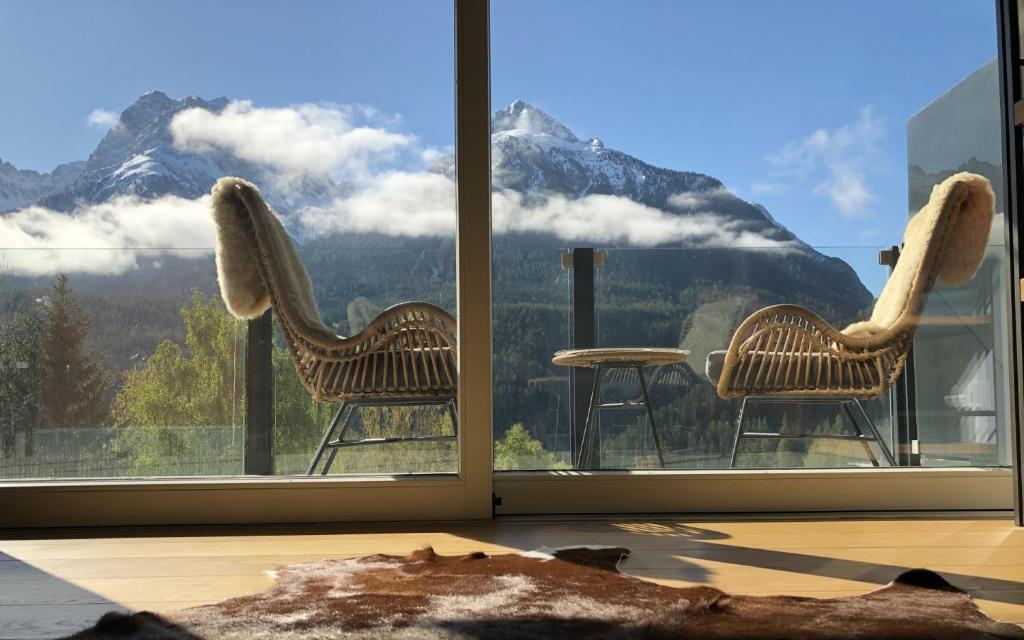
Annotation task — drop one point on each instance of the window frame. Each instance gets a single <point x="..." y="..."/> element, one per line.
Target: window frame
<point x="476" y="491"/>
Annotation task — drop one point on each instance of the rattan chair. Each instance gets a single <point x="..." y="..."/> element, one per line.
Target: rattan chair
<point x="406" y="356"/>
<point x="787" y="353"/>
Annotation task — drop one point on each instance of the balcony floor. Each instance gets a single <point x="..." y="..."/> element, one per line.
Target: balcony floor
<point x="61" y="581"/>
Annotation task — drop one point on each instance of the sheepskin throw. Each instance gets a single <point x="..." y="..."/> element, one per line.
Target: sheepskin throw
<point x="947" y="238"/>
<point x="250" y="233"/>
<point x="574" y="592"/>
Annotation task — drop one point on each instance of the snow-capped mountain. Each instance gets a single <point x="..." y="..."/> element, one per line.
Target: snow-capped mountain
<point x="21" y="187"/>
<point x="533" y="153"/>
<point x="138" y="157"/>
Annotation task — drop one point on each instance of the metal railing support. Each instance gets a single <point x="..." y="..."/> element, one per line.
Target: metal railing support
<point x="257" y="455"/>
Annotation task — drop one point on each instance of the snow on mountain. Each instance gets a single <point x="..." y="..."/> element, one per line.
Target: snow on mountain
<point x="533" y="153"/>
<point x="138" y="157"/>
<point x="21" y="187"/>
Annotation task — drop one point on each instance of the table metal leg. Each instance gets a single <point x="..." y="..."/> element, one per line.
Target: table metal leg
<point x="585" y="441"/>
<point x="739" y="433"/>
<point x="650" y="415"/>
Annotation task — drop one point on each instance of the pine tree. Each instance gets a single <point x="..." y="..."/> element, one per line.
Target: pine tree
<point x="71" y="386"/>
<point x="19" y="378"/>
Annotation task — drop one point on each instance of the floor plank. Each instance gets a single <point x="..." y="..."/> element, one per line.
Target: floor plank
<point x="53" y="585"/>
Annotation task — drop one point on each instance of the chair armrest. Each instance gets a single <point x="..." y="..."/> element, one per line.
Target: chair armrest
<point x="790" y="350"/>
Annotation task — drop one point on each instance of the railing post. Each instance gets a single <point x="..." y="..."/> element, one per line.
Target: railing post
<point x="583" y="336"/>
<point x="903" y="398"/>
<point x="259" y="396"/>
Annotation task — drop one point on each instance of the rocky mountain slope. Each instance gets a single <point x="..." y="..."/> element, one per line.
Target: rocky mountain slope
<point x="138" y="157"/>
<point x="22" y="187"/>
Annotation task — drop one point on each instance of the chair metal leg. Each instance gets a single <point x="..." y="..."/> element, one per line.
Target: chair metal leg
<point x="739" y="433"/>
<point x="341" y="436"/>
<point x="343" y="417"/>
<point x="874" y="432"/>
<point x="650" y="416"/>
<point x="326" y="438"/>
<point x="453" y="413"/>
<point x="860" y="433"/>
<point x="591" y="413"/>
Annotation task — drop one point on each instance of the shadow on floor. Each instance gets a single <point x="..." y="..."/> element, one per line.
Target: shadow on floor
<point x="1008" y="591"/>
<point x="27" y="599"/>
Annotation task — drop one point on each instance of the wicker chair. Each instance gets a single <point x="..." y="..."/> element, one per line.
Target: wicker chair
<point x="787" y="353"/>
<point x="406" y="356"/>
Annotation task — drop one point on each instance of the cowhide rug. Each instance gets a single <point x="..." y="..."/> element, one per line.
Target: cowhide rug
<point x="550" y="593"/>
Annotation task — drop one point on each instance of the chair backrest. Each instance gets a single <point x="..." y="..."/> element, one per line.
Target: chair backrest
<point x="258" y="265"/>
<point x="946" y="239"/>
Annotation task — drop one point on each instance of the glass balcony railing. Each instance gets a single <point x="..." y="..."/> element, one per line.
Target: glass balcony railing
<point x="948" y="409"/>
<point x="125" y="364"/>
<point x="128" y="364"/>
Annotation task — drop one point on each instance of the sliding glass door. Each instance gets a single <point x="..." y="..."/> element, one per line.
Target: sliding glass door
<point x="662" y="172"/>
<point x="123" y="369"/>
<point x="632" y="182"/>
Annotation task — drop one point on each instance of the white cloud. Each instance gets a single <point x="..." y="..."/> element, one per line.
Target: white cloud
<point x="103" y="118"/>
<point x="848" y="190"/>
<point x="615" y="219"/>
<point x="106" y="238"/>
<point x="394" y="203"/>
<point x="299" y="140"/>
<point x="696" y="199"/>
<point x="110" y="238"/>
<point x="839" y="162"/>
<point x="334" y="140"/>
<point x="431" y="155"/>
<point x="423" y="204"/>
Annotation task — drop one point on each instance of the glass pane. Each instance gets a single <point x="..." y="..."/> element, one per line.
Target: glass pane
<point x="704" y="184"/>
<point x="118" y="354"/>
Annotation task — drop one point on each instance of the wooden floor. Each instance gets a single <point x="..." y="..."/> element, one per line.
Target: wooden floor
<point x="50" y="587"/>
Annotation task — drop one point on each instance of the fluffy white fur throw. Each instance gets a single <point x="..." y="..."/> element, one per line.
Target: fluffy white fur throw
<point x="248" y="233"/>
<point x="959" y="216"/>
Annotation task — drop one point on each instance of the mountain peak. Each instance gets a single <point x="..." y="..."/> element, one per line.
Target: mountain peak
<point x="521" y="116"/>
<point x="155" y="97"/>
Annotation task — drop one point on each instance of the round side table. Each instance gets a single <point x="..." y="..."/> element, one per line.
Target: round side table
<point x="600" y="360"/>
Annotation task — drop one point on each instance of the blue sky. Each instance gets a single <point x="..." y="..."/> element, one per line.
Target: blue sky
<point x="736" y="90"/>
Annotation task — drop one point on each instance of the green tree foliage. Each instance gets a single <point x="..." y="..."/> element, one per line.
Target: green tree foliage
<point x="199" y="384"/>
<point x="519" y="450"/>
<point x="19" y="378"/>
<point x="171" y="413"/>
<point x="299" y="421"/>
<point x="71" y="384"/>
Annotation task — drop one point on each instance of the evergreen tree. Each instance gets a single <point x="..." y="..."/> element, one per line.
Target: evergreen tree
<point x="19" y="378"/>
<point x="71" y="385"/>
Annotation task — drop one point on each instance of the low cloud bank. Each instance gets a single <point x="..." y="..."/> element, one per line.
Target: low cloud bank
<point x="109" y="238"/>
<point x="423" y="204"/>
<point x="105" y="239"/>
